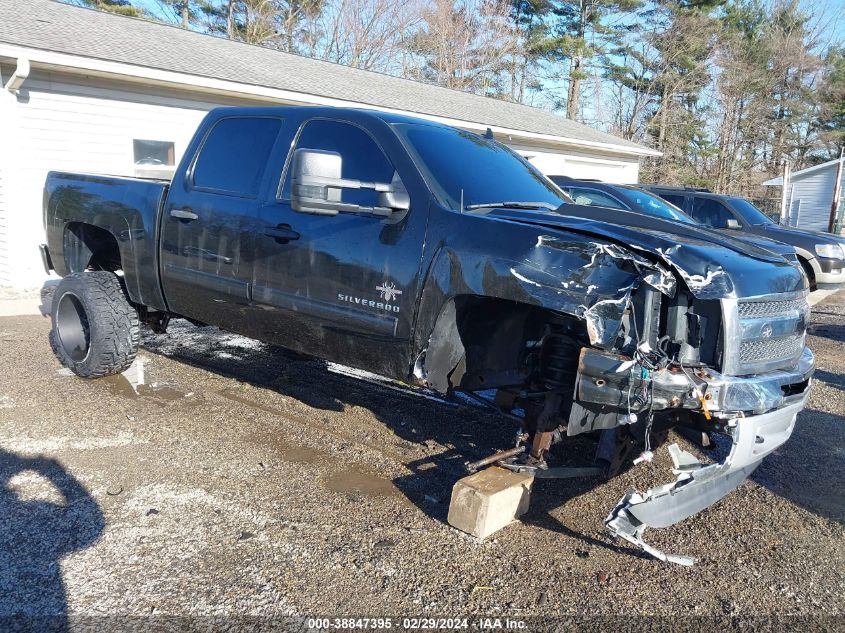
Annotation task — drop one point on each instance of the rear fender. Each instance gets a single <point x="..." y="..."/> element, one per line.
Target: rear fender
<point x="125" y="208"/>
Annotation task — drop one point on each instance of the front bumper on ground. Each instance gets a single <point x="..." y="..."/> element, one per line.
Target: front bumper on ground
<point x="697" y="485"/>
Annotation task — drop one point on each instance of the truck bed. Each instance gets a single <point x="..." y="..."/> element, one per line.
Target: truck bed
<point x="125" y="208"/>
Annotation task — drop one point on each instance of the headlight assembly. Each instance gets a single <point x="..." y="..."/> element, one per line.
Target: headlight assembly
<point x="832" y="251"/>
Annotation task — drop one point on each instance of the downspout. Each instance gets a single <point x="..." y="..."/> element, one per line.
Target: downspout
<point x="19" y="75"/>
<point x="837" y="192"/>
<point x="785" y="198"/>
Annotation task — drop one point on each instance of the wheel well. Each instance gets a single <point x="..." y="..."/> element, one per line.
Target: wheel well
<point x="808" y="270"/>
<point x="88" y="247"/>
<point x="484" y="343"/>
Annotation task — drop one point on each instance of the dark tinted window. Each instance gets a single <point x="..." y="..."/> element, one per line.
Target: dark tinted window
<point x="711" y="212"/>
<point x="462" y="165"/>
<point x="233" y="157"/>
<point x="593" y="197"/>
<point x="678" y="201"/>
<point x="362" y="158"/>
<point x="752" y="214"/>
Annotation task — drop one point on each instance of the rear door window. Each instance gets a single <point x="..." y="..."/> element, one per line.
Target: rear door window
<point x="233" y="157"/>
<point x="711" y="213"/>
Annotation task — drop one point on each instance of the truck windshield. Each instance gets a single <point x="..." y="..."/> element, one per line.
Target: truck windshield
<point x="469" y="171"/>
<point x="656" y="206"/>
<point x="749" y="212"/>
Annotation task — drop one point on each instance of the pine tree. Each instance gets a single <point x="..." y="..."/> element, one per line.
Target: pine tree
<point x="122" y="7"/>
<point x="585" y="30"/>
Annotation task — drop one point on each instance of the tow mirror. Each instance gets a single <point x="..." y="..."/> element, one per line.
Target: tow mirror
<point x="316" y="186"/>
<point x="733" y="224"/>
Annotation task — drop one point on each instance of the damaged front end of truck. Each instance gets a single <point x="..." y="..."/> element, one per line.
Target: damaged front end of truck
<point x="672" y="379"/>
<point x="657" y="334"/>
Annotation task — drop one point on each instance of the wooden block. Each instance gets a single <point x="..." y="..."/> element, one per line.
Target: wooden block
<point x="488" y="500"/>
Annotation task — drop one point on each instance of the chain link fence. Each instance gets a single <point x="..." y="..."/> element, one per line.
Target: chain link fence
<point x="769" y="206"/>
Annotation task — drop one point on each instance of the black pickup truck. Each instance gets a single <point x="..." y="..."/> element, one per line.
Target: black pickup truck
<point x="441" y="258"/>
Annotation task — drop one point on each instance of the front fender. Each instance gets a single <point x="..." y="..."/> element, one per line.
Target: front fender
<point x="573" y="275"/>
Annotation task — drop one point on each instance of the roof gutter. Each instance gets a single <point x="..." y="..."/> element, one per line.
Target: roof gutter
<point x="19" y="75"/>
<point x="145" y="74"/>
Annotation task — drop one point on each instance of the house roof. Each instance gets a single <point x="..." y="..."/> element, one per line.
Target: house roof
<point x="777" y="182"/>
<point x="46" y="25"/>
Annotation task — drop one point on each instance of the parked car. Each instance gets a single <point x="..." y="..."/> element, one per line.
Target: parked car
<point x="640" y="202"/>
<point x="441" y="258"/>
<point x="821" y="254"/>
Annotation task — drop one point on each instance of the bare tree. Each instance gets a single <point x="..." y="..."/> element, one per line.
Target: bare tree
<point x="362" y="33"/>
<point x="464" y="45"/>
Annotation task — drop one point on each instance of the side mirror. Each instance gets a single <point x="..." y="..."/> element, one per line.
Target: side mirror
<point x="733" y="224"/>
<point x="316" y="186"/>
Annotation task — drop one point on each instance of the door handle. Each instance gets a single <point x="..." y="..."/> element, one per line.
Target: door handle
<point x="282" y="233"/>
<point x="183" y="214"/>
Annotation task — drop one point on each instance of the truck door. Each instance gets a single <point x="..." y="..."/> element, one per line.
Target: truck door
<point x="206" y="239"/>
<point x="342" y="286"/>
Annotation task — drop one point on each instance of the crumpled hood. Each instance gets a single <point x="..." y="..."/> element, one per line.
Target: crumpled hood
<point x="712" y="265"/>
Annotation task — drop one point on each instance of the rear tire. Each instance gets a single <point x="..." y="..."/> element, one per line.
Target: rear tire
<point x="96" y="330"/>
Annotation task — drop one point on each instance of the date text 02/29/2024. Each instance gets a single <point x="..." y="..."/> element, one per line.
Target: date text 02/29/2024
<point x="415" y="624"/>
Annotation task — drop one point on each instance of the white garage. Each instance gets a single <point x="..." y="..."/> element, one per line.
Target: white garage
<point x="90" y="91"/>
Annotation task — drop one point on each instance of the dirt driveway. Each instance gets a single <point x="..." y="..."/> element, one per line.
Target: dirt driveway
<point x="238" y="480"/>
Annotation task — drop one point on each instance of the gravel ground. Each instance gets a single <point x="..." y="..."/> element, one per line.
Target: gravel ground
<point x="236" y="479"/>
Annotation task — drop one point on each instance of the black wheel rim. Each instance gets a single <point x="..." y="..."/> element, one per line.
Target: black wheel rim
<point x="72" y="327"/>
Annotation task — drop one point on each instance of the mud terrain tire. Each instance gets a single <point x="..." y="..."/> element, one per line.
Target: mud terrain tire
<point x="95" y="329"/>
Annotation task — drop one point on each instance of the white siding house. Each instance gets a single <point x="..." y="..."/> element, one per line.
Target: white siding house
<point x="88" y="91"/>
<point x="809" y="195"/>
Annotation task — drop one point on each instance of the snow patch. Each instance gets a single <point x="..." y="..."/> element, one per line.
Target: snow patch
<point x="56" y="444"/>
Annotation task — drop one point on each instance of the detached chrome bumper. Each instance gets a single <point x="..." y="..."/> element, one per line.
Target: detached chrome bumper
<point x="697" y="485"/>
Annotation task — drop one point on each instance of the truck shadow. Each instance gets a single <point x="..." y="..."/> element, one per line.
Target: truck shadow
<point x="832" y="331"/>
<point x="441" y="435"/>
<point x="35" y="534"/>
<point x="837" y="381"/>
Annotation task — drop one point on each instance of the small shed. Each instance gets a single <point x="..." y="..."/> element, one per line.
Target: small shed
<point x="809" y="195"/>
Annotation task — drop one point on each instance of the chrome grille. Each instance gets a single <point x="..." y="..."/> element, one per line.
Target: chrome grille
<point x="764" y="333"/>
<point x="757" y="309"/>
<point x="770" y="349"/>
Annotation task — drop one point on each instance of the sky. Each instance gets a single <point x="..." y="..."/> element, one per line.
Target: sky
<point x="830" y="16"/>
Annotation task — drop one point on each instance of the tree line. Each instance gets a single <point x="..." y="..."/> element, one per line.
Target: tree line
<point x="727" y="90"/>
